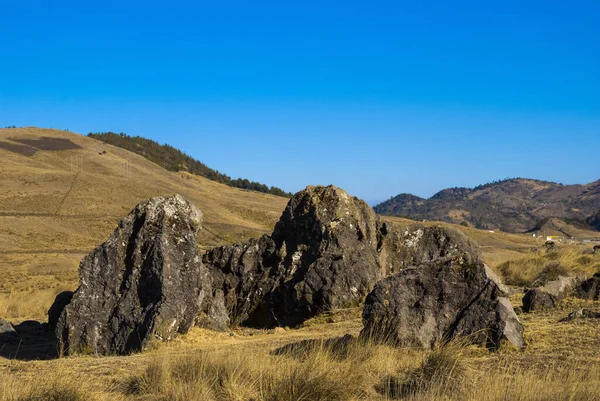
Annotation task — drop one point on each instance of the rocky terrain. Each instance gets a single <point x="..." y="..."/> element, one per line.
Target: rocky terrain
<point x="513" y="205"/>
<point x="328" y="251"/>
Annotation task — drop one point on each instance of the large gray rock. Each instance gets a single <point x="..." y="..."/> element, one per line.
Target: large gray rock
<point x="439" y="300"/>
<point x="146" y="282"/>
<point x="549" y="295"/>
<point x="419" y="244"/>
<point x="327" y="251"/>
<point x="333" y="249"/>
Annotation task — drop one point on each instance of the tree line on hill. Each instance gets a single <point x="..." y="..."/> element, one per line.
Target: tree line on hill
<point x="173" y="159"/>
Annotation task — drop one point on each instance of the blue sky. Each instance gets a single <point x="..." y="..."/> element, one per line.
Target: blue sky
<point x="376" y="97"/>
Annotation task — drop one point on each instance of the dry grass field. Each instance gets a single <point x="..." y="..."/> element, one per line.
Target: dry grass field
<point x="57" y="205"/>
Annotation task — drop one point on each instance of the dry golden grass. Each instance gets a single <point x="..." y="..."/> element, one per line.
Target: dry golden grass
<point x="539" y="266"/>
<point x="202" y="366"/>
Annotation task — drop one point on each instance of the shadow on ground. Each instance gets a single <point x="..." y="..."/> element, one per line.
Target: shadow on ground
<point x="338" y="348"/>
<point x="34" y="341"/>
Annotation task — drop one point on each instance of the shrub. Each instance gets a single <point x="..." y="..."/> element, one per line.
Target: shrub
<point x="552" y="270"/>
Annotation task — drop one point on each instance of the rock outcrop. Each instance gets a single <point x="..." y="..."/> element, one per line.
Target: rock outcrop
<point x="327" y="251"/>
<point x="549" y="295"/>
<point x="146" y="282"/>
<point x="439" y="300"/>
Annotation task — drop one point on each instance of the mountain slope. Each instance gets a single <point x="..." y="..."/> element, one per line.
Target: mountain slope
<point x="514" y="205"/>
<point x="173" y="159"/>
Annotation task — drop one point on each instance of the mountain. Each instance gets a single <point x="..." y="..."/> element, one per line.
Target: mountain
<point x="512" y="205"/>
<point x="173" y="159"/>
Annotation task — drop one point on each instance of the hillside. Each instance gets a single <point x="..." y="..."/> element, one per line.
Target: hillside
<point x="514" y="205"/>
<point x="57" y="205"/>
<point x="175" y="160"/>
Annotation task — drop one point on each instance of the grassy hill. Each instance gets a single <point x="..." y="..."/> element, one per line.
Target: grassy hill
<point x="175" y="160"/>
<point x="513" y="205"/>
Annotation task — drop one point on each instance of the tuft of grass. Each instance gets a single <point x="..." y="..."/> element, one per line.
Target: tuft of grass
<point x="54" y="386"/>
<point x="442" y="373"/>
<point x="551" y="271"/>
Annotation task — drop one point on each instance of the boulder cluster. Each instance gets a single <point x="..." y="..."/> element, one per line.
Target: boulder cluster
<point x="329" y="250"/>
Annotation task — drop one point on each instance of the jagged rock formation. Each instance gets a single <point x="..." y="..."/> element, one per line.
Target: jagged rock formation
<point x="145" y="282"/>
<point x="327" y="251"/>
<point x="438" y="300"/>
<point x="549" y="295"/>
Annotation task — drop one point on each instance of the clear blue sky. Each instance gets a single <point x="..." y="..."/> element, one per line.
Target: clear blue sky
<point x="376" y="97"/>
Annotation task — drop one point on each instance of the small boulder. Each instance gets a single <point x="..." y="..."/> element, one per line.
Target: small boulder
<point x="439" y="300"/>
<point x="581" y="314"/>
<point x="549" y="295"/>
<point x="589" y="289"/>
<point x="146" y="282"/>
<point x="7" y="331"/>
<point x="419" y="244"/>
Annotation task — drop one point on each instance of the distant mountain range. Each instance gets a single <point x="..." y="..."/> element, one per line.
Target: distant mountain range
<point x="513" y="205"/>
